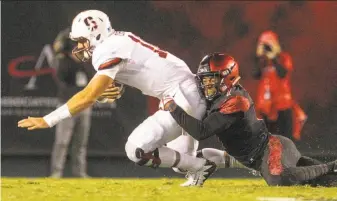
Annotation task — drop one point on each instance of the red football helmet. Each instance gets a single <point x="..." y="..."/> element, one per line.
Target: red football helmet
<point x="268" y="37"/>
<point x="216" y="74"/>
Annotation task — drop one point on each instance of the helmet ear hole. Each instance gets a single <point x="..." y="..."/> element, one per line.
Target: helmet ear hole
<point x="98" y="36"/>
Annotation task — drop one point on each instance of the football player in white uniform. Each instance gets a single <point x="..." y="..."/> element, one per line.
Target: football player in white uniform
<point x="125" y="58"/>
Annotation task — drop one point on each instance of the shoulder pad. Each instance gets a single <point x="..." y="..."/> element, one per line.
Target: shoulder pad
<point x="235" y="104"/>
<point x="112" y="48"/>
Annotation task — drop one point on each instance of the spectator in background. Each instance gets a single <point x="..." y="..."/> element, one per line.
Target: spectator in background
<point x="72" y="76"/>
<point x="274" y="102"/>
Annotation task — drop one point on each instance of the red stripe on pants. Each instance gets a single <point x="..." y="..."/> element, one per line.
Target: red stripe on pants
<point x="275" y="155"/>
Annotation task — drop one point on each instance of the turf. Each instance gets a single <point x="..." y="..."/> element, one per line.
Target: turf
<point x="25" y="189"/>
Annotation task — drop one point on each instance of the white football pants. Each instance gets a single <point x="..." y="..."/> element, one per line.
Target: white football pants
<point x="161" y="129"/>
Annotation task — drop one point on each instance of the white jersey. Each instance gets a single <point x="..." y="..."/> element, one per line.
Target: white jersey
<point x="143" y="66"/>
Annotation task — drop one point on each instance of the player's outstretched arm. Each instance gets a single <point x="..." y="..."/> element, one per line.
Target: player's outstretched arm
<point x="89" y="94"/>
<point x="80" y="101"/>
<point x="213" y="124"/>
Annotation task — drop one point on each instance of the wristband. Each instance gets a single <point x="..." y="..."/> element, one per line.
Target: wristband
<point x="57" y="115"/>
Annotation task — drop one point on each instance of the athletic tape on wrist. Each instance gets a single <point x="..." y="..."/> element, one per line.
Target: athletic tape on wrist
<point x="57" y="115"/>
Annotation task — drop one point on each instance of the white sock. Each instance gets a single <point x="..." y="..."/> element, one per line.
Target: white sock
<point x="169" y="158"/>
<point x="215" y="155"/>
<point x="190" y="163"/>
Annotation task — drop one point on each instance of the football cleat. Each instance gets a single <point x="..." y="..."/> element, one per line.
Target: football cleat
<point x="198" y="178"/>
<point x="190" y="180"/>
<point x="332" y="166"/>
<point x="335" y="167"/>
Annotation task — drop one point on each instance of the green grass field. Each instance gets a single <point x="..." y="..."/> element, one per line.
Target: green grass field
<point x="25" y="189"/>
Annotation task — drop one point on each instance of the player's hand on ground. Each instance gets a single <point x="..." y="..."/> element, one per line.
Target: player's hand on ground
<point x="32" y="123"/>
<point x="167" y="103"/>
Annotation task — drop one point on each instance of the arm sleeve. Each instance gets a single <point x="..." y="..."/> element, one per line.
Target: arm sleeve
<point x="208" y="127"/>
<point x="111" y="56"/>
<point x="110" y="68"/>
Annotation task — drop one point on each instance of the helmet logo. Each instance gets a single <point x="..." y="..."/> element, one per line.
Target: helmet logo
<point x="91" y="24"/>
<point x="203" y="68"/>
<point x="228" y="70"/>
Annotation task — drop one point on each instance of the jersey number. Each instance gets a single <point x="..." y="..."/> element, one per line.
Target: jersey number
<point x="160" y="52"/>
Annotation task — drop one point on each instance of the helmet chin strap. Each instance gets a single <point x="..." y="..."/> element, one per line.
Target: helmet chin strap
<point x="236" y="80"/>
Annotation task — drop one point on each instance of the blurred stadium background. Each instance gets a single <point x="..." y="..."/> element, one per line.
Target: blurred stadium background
<point x="307" y="30"/>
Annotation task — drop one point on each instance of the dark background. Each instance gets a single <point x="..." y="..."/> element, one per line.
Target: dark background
<point x="189" y="30"/>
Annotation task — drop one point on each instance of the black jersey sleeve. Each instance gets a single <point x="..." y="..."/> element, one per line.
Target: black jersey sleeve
<point x="211" y="125"/>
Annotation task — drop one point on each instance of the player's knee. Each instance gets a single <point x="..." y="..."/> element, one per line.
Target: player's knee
<point x="285" y="178"/>
<point x="288" y="178"/>
<point x="138" y="155"/>
<point x="130" y="150"/>
<point x="280" y="180"/>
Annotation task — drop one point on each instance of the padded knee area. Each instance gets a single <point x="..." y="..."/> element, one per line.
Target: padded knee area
<point x="141" y="158"/>
<point x="130" y="150"/>
<point x="288" y="178"/>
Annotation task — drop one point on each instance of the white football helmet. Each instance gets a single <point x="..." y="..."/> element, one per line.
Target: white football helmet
<point x="90" y="28"/>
